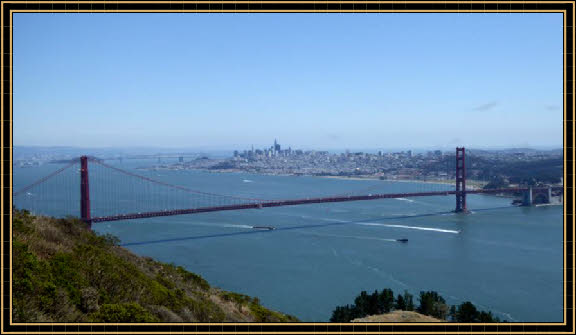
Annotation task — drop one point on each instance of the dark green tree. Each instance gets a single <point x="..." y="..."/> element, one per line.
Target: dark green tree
<point x="373" y="305"/>
<point x="467" y="312"/>
<point x="386" y="300"/>
<point x="409" y="300"/>
<point x="487" y="317"/>
<point x="362" y="303"/>
<point x="342" y="314"/>
<point x="431" y="303"/>
<point x="400" y="303"/>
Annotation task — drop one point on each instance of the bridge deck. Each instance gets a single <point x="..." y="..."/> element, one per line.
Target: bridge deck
<point x="294" y="202"/>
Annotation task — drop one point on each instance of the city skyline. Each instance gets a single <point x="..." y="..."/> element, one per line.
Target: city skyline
<point x="263" y="149"/>
<point x="330" y="82"/>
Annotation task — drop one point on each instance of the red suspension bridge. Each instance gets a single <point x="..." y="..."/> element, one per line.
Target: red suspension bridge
<point x="150" y="197"/>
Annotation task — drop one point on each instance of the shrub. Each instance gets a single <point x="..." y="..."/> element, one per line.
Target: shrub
<point x="196" y="279"/>
<point x="239" y="299"/>
<point x="262" y="314"/>
<point x="89" y="278"/>
<point x="130" y="312"/>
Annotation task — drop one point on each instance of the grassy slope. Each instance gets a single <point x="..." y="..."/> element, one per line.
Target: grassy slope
<point x="65" y="273"/>
<point x="398" y="316"/>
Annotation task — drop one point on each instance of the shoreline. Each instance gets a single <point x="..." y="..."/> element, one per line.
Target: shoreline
<point x="358" y="178"/>
<point x="472" y="184"/>
<point x="550" y="204"/>
<point x="439" y="182"/>
<point x="369" y="178"/>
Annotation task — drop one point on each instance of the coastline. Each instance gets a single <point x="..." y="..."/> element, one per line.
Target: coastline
<point x="439" y="182"/>
<point x="471" y="183"/>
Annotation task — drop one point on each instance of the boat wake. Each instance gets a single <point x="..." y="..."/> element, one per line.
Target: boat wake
<point x="408" y="227"/>
<point x="395" y="226"/>
<point x="243" y="226"/>
<point x="404" y="199"/>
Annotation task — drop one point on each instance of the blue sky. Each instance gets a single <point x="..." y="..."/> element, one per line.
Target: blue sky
<point x="325" y="81"/>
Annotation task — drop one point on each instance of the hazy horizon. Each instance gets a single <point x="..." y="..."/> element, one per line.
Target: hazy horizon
<point x="312" y="81"/>
<point x="232" y="148"/>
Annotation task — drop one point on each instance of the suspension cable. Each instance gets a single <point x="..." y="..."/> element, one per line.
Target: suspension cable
<point x="172" y="185"/>
<point x="40" y="181"/>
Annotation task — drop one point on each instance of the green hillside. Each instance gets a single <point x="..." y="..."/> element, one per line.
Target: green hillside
<point x="63" y="272"/>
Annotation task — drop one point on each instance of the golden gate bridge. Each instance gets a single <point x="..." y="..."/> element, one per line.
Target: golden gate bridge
<point x="110" y="207"/>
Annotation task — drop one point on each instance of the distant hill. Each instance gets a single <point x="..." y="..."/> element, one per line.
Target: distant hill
<point x="63" y="272"/>
<point x="517" y="150"/>
<point x="544" y="170"/>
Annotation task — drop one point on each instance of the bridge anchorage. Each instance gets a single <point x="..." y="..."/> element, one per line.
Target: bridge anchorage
<point x="539" y="195"/>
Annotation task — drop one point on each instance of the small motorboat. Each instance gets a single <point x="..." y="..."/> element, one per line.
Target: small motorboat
<point x="263" y="227"/>
<point x="403" y="240"/>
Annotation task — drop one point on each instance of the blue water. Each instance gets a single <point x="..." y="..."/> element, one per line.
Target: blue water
<point x="504" y="259"/>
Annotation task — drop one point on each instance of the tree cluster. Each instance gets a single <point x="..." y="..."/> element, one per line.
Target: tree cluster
<point x="466" y="312"/>
<point x="544" y="171"/>
<point x="375" y="303"/>
<point x="431" y="303"/>
<point x="502" y="172"/>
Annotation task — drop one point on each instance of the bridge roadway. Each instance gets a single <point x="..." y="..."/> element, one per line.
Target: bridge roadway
<point x="278" y="203"/>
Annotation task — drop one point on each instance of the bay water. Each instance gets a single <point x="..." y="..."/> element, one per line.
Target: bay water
<point x="502" y="258"/>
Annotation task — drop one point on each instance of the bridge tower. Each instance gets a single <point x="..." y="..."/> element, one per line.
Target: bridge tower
<point x="84" y="191"/>
<point x="461" y="180"/>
